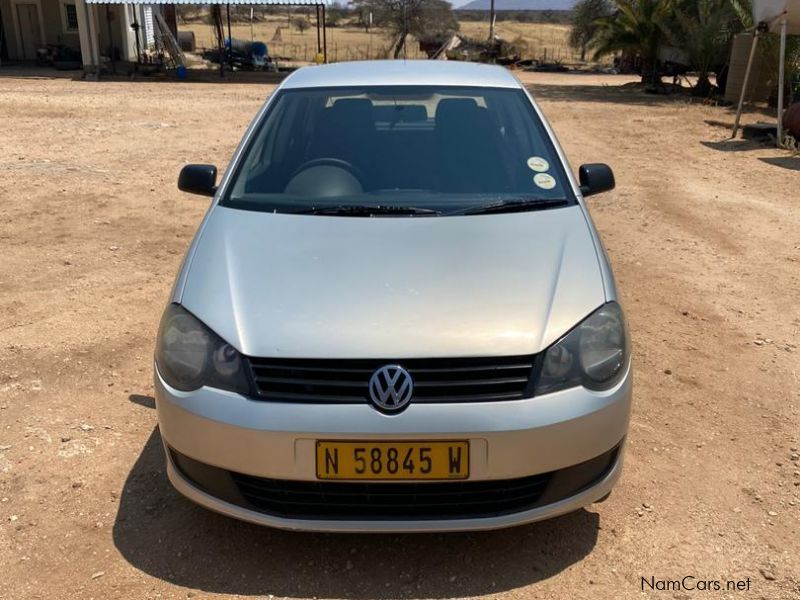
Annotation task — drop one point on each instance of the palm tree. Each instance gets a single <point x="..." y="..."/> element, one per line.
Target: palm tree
<point x="703" y="30"/>
<point x="743" y="10"/>
<point x="638" y="27"/>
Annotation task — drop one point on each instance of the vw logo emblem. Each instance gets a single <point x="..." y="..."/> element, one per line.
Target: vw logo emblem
<point x="391" y="387"/>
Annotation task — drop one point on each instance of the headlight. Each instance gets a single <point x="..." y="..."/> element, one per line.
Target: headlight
<point x="593" y="355"/>
<point x="189" y="355"/>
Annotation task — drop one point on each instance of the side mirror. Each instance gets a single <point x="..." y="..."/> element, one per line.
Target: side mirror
<point x="596" y="179"/>
<point x="198" y="179"/>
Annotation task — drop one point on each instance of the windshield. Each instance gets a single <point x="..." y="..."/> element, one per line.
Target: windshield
<point x="403" y="150"/>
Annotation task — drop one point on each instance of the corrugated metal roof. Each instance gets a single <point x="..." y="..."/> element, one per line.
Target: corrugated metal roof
<point x="247" y="2"/>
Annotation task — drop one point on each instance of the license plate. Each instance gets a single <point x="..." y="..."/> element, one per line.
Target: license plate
<point x="392" y="460"/>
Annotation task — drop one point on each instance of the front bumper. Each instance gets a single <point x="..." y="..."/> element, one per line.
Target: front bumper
<point x="508" y="440"/>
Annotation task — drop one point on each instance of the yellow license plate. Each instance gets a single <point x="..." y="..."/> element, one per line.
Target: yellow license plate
<point x="392" y="460"/>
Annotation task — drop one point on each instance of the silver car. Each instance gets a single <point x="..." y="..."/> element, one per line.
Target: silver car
<point x="397" y="314"/>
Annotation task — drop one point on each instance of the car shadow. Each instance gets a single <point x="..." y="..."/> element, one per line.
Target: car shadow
<point x="146" y="401"/>
<point x="128" y="74"/>
<point x="168" y="537"/>
<point x="613" y="93"/>
<point x="734" y="145"/>
<point x="791" y="163"/>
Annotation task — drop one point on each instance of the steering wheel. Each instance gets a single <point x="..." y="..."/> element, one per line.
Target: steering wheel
<point x="330" y="162"/>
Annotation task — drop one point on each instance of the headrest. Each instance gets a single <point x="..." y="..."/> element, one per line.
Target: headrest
<point x="457" y="112"/>
<point x="351" y="108"/>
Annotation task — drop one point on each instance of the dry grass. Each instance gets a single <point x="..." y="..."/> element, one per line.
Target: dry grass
<point x="543" y="40"/>
<point x="353" y="43"/>
<point x="344" y="43"/>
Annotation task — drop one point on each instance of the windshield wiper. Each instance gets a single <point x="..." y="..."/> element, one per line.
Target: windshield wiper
<point x="358" y="210"/>
<point x="509" y="206"/>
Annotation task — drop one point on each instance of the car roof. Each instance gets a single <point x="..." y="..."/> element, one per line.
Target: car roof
<point x="402" y="72"/>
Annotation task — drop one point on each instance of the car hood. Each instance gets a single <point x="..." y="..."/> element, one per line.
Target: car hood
<point x="280" y="285"/>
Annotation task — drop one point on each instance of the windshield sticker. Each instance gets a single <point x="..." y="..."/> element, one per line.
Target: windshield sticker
<point x="538" y="164"/>
<point x="545" y="181"/>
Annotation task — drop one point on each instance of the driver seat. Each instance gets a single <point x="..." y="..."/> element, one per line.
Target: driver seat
<point x="345" y="131"/>
<point x="468" y="146"/>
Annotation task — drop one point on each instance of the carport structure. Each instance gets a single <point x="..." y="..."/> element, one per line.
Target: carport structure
<point x="771" y="16"/>
<point x="89" y="38"/>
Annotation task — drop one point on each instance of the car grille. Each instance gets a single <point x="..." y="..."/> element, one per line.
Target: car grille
<point x="435" y="380"/>
<point x="332" y="500"/>
<point x="358" y="500"/>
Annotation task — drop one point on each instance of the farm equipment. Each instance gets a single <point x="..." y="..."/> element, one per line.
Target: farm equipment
<point x="241" y="55"/>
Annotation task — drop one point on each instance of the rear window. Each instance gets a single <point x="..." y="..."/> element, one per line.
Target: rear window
<point x="444" y="148"/>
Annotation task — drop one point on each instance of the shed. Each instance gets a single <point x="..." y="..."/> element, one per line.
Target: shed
<point x="141" y="10"/>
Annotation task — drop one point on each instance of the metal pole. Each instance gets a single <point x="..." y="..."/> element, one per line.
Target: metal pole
<point x="217" y="12"/>
<point x="491" y="22"/>
<point x="781" y="82"/>
<point x="135" y="27"/>
<point x="404" y="34"/>
<point x="230" y="37"/>
<point x="319" y="39"/>
<point x="744" y="85"/>
<point x="324" y="37"/>
<point x="110" y="40"/>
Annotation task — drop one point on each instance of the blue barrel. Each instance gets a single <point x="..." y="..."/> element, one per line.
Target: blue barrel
<point x="258" y="49"/>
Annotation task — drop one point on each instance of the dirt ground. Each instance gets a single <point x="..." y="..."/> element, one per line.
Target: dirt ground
<point x="704" y="235"/>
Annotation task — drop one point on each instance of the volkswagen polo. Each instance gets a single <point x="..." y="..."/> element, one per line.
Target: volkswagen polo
<point x="397" y="314"/>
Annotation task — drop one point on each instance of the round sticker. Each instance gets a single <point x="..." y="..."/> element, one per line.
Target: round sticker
<point x="545" y="181"/>
<point x="538" y="164"/>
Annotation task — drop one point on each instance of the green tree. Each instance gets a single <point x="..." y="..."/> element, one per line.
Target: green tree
<point x="420" y="18"/>
<point x="703" y="30"/>
<point x="638" y="27"/>
<point x="744" y="11"/>
<point x="301" y="24"/>
<point x="335" y="14"/>
<point x="585" y="17"/>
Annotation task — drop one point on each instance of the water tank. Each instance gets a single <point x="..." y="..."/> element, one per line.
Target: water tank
<point x="791" y="120"/>
<point x="186" y="41"/>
